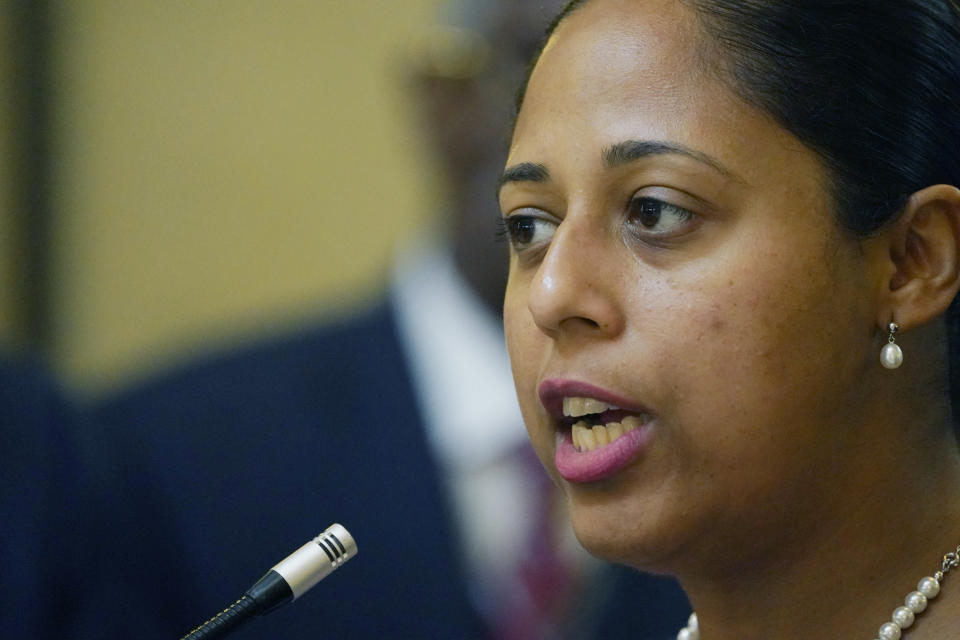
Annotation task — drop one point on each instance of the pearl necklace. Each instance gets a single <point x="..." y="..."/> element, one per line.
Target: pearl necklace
<point x="913" y="605"/>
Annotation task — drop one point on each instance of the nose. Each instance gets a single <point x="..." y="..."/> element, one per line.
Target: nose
<point x="575" y="290"/>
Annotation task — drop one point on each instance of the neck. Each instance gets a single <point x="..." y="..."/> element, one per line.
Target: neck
<point x="842" y="576"/>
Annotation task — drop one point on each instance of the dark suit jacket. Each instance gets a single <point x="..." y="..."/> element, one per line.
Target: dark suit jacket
<point x="50" y="511"/>
<point x="230" y="465"/>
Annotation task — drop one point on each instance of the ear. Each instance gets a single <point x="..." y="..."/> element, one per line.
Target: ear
<point x="448" y="108"/>
<point x="924" y="253"/>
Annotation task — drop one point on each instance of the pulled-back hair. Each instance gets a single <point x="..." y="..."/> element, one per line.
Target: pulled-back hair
<point x="871" y="86"/>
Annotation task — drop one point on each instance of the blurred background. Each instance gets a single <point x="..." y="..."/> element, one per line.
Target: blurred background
<point x="179" y="175"/>
<point x="182" y="177"/>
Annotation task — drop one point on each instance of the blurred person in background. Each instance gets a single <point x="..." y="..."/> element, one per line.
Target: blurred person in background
<point x="400" y="422"/>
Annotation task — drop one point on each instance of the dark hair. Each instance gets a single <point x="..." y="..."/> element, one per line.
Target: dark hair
<point x="871" y="86"/>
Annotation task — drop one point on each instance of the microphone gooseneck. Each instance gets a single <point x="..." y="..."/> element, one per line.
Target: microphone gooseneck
<point x="286" y="581"/>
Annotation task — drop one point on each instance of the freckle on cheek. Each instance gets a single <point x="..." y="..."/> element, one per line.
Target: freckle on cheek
<point x="715" y="321"/>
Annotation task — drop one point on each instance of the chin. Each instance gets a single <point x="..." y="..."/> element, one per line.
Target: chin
<point x="634" y="536"/>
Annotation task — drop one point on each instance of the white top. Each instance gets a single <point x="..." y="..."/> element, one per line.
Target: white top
<point x="461" y="375"/>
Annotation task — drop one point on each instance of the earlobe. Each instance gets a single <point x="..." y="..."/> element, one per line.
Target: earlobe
<point x="924" y="250"/>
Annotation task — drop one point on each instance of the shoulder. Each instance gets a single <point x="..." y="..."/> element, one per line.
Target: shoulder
<point x="39" y="423"/>
<point x="28" y="393"/>
<point x="304" y="400"/>
<point x="304" y="366"/>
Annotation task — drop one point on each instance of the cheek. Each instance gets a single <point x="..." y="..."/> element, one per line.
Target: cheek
<point x="745" y="363"/>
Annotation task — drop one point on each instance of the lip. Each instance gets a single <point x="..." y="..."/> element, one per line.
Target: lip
<point x="554" y="390"/>
<point x="605" y="462"/>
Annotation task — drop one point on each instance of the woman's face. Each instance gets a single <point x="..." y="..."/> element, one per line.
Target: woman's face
<point x="677" y="262"/>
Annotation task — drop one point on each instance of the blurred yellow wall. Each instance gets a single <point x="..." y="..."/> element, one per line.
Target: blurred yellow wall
<point x="223" y="167"/>
<point x="7" y="247"/>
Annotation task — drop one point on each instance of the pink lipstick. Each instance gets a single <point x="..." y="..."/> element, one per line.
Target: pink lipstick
<point x="602" y="463"/>
<point x="609" y="458"/>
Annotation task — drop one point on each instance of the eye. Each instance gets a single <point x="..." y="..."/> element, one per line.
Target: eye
<point x="527" y="231"/>
<point x="656" y="218"/>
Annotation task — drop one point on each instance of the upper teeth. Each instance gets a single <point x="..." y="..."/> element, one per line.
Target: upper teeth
<point x="575" y="407"/>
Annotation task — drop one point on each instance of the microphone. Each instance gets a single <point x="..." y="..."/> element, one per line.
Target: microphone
<point x="285" y="582"/>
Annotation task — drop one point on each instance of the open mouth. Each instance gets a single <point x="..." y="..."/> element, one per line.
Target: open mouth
<point x="595" y="424"/>
<point x="599" y="432"/>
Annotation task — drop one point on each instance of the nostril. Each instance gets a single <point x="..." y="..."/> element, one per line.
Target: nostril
<point x="584" y="322"/>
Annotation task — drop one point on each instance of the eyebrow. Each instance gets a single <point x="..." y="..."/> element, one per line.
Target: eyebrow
<point x="523" y="172"/>
<point x="629" y="151"/>
<point x="616" y="155"/>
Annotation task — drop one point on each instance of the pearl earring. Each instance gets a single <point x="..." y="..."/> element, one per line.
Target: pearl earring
<point x="891" y="356"/>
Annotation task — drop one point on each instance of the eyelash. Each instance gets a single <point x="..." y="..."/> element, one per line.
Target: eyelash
<point x="502" y="231"/>
<point x="508" y="228"/>
<point x="637" y="208"/>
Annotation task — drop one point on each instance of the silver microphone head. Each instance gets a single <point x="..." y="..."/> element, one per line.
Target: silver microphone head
<point x="317" y="559"/>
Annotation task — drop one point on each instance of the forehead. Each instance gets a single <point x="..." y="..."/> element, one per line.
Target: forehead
<point x="618" y="70"/>
<point x="630" y="27"/>
<point x="616" y="54"/>
<point x="631" y="70"/>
